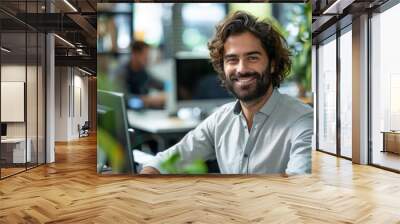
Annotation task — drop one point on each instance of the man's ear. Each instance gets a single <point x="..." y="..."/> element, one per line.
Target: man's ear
<point x="272" y="68"/>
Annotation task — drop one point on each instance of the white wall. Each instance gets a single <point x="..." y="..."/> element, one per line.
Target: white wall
<point x="62" y="81"/>
<point x="71" y="94"/>
<point x="16" y="73"/>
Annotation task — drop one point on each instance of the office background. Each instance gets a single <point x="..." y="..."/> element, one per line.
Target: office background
<point x="22" y="79"/>
<point x="48" y="86"/>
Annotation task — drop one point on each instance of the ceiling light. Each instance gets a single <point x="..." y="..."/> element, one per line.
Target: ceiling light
<point x="84" y="71"/>
<point x="5" y="49"/>
<point x="65" y="41"/>
<point x="70" y="5"/>
<point x="337" y="7"/>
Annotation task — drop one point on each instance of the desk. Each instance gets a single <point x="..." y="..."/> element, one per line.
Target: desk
<point x="391" y="141"/>
<point x="162" y="128"/>
<point x="17" y="150"/>
<point x="159" y="122"/>
<point x="160" y="125"/>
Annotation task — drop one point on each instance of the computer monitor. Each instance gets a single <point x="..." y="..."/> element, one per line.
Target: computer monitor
<point x="3" y="129"/>
<point x="113" y="143"/>
<point x="198" y="85"/>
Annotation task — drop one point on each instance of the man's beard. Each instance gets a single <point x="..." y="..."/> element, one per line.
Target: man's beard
<point x="248" y="92"/>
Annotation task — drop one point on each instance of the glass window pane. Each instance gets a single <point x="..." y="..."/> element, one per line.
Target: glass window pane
<point x="22" y="88"/>
<point x="114" y="32"/>
<point x="346" y="94"/>
<point x="199" y="21"/>
<point x="150" y="31"/>
<point x="385" y="84"/>
<point x="41" y="99"/>
<point x="31" y="97"/>
<point x="327" y="96"/>
<point x="13" y="87"/>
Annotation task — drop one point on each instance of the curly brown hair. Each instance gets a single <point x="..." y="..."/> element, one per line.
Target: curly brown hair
<point x="272" y="41"/>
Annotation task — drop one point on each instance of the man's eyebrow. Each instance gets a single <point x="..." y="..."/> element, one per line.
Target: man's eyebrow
<point x="230" y="56"/>
<point x="247" y="54"/>
<point x="253" y="52"/>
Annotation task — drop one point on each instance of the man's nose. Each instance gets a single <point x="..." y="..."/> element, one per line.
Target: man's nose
<point x="242" y="67"/>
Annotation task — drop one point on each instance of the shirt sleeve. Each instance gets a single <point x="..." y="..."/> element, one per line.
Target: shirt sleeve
<point x="300" y="152"/>
<point x="197" y="144"/>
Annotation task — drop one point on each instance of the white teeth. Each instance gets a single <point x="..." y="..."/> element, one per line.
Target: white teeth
<point x="245" y="80"/>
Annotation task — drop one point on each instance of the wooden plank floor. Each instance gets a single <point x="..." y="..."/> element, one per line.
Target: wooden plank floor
<point x="70" y="191"/>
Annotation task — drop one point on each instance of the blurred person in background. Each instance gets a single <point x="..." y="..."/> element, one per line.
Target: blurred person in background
<point x="136" y="81"/>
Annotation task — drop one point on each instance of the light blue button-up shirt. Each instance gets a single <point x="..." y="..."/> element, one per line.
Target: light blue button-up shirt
<point x="278" y="142"/>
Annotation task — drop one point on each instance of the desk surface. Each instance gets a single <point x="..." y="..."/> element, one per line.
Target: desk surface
<point x="159" y="122"/>
<point x="390" y="132"/>
<point x="13" y="140"/>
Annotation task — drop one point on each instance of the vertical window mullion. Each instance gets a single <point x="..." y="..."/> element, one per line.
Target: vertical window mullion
<point x="338" y="72"/>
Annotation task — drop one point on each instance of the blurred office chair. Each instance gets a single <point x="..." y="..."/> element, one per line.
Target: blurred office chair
<point x="84" y="129"/>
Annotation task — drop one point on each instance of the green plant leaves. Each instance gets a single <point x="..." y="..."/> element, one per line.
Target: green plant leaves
<point x="172" y="165"/>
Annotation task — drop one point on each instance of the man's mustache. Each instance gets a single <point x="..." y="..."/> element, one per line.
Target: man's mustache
<point x="236" y="76"/>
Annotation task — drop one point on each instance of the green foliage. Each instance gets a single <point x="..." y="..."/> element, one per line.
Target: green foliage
<point x="102" y="82"/>
<point x="112" y="149"/>
<point x="198" y="166"/>
<point x="110" y="82"/>
<point x="301" y="44"/>
<point x="171" y="165"/>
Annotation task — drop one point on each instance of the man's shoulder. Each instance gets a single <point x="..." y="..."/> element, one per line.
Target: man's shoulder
<point x="294" y="106"/>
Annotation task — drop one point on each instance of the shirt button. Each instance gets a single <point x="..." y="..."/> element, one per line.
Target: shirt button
<point x="245" y="155"/>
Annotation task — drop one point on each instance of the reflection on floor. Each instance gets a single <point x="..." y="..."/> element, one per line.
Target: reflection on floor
<point x="13" y="169"/>
<point x="10" y="171"/>
<point x="386" y="159"/>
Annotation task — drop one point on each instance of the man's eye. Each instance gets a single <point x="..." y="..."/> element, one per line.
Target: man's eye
<point x="231" y="60"/>
<point x="253" y="58"/>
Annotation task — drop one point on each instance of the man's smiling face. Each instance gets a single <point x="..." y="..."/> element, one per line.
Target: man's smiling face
<point x="246" y="67"/>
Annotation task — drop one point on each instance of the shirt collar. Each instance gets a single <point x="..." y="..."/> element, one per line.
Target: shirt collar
<point x="266" y="109"/>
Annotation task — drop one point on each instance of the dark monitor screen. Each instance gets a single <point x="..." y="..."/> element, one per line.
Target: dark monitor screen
<point x="113" y="139"/>
<point x="197" y="80"/>
<point x="3" y="129"/>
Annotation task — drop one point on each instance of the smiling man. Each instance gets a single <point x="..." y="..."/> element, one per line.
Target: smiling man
<point x="264" y="131"/>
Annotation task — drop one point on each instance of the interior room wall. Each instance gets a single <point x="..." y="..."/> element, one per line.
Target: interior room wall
<point x="13" y="73"/>
<point x="62" y="80"/>
<point x="17" y="73"/>
<point x="71" y="102"/>
<point x="80" y="110"/>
